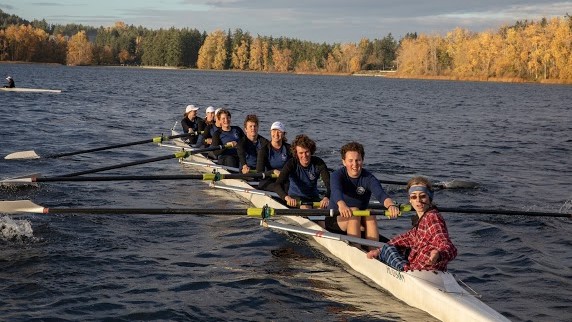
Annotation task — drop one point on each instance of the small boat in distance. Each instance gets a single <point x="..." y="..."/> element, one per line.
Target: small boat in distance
<point x="30" y="90"/>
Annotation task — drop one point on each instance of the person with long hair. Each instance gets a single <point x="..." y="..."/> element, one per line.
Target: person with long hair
<point x="428" y="244"/>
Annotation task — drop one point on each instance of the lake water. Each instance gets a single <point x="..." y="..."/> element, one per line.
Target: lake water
<point x="513" y="139"/>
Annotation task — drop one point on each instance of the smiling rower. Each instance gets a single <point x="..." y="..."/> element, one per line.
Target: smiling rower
<point x="352" y="187"/>
<point x="302" y="173"/>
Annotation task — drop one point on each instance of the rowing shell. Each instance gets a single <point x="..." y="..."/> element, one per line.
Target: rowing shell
<point x="30" y="90"/>
<point x="436" y="293"/>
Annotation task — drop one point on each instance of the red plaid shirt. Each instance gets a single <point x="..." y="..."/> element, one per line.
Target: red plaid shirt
<point x="429" y="233"/>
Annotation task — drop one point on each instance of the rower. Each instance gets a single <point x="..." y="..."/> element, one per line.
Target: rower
<point x="211" y="128"/>
<point x="203" y="126"/>
<point x="11" y="83"/>
<point x="227" y="134"/>
<point x="191" y="122"/>
<point x="428" y="242"/>
<point x="302" y="173"/>
<point x="352" y="187"/>
<point x="250" y="144"/>
<point x="273" y="156"/>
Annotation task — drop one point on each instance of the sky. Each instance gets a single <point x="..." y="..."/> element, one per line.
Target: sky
<point x="330" y="21"/>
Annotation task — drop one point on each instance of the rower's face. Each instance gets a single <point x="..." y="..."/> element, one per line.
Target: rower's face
<point x="276" y="135"/>
<point x="419" y="200"/>
<point x="224" y="120"/>
<point x="353" y="163"/>
<point x="192" y="115"/>
<point x="251" y="129"/>
<point x="303" y="155"/>
<point x="210" y="116"/>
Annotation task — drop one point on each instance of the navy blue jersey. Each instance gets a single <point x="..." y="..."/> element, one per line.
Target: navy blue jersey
<point x="356" y="192"/>
<point x="269" y="159"/>
<point x="248" y="150"/>
<point x="221" y="137"/>
<point x="303" y="180"/>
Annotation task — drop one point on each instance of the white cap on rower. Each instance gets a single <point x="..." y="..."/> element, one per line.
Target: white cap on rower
<point x="278" y="126"/>
<point x="210" y="109"/>
<point x="9" y="78"/>
<point x="217" y="110"/>
<point x="191" y="108"/>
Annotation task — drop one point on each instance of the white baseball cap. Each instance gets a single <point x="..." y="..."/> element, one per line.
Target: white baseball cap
<point x="9" y="78"/>
<point x="210" y="109"/>
<point x="278" y="126"/>
<point x="191" y="108"/>
<point x="217" y="110"/>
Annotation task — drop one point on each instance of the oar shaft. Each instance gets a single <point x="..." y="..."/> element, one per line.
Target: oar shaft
<point x="504" y="212"/>
<point x="146" y="211"/>
<point x="123" y="165"/>
<point x="178" y="155"/>
<point x="323" y="234"/>
<point x="206" y="176"/>
<point x="153" y="140"/>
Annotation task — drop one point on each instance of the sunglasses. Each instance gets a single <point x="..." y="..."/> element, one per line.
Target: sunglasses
<point x="421" y="196"/>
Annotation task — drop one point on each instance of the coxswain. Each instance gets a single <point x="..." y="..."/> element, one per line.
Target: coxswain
<point x="426" y="246"/>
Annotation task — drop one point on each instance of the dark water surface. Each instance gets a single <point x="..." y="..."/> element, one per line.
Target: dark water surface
<point x="515" y="140"/>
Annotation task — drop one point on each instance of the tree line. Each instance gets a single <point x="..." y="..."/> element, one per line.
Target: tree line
<point x="525" y="51"/>
<point x="528" y="50"/>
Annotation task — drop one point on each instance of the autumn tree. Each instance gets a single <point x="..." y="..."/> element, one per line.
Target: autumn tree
<point x="79" y="50"/>
<point x="212" y="54"/>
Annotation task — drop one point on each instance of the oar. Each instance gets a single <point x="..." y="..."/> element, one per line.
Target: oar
<point x="206" y="176"/>
<point x="210" y="165"/>
<point x="493" y="212"/>
<point x="453" y="184"/>
<point x="177" y="155"/>
<point x="322" y="234"/>
<point x="33" y="155"/>
<point x="27" y="206"/>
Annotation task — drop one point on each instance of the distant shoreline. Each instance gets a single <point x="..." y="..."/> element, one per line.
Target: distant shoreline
<point x="363" y="73"/>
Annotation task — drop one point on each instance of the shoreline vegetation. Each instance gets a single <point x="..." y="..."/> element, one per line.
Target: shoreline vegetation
<point x="528" y="51"/>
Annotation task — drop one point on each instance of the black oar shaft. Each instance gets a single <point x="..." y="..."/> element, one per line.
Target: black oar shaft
<point x="504" y="212"/>
<point x="178" y="155"/>
<point x="146" y="211"/>
<point x="153" y="140"/>
<point x="123" y="165"/>
<point x="207" y="176"/>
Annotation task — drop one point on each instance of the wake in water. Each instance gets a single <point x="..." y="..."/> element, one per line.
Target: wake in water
<point x="15" y="230"/>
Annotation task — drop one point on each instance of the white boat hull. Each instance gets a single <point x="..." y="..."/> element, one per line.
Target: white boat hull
<point x="30" y="90"/>
<point x="436" y="293"/>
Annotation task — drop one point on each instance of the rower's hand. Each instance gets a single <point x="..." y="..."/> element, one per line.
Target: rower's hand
<point x="433" y="257"/>
<point x="344" y="210"/>
<point x="209" y="141"/>
<point x="291" y="201"/>
<point x="393" y="211"/>
<point x="245" y="169"/>
<point x="324" y="203"/>
<point x="374" y="253"/>
<point x="276" y="172"/>
<point x="232" y="143"/>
